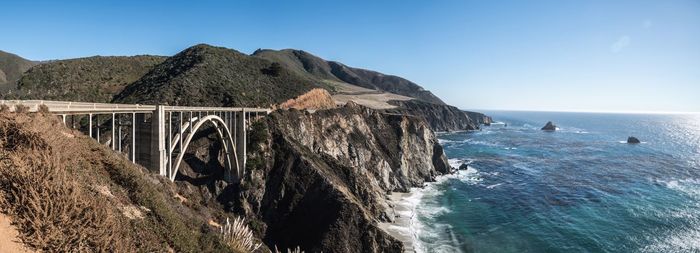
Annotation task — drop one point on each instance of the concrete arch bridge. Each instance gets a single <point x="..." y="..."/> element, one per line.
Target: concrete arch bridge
<point x="155" y="136"/>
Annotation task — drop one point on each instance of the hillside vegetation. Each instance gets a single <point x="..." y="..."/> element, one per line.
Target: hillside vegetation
<point x="91" y="79"/>
<point x="311" y="65"/>
<point x="11" y="69"/>
<point x="204" y="75"/>
<point x="91" y="199"/>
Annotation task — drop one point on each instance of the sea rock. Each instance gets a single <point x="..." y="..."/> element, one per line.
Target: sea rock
<point x="632" y="140"/>
<point x="464" y="166"/>
<point x="549" y="126"/>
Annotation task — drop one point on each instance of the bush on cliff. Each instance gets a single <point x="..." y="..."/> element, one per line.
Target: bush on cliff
<point x="87" y="198"/>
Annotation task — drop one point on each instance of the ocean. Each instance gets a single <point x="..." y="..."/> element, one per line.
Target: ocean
<point x="579" y="189"/>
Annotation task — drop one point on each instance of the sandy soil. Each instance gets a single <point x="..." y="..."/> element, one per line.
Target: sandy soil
<point x="367" y="97"/>
<point x="9" y="237"/>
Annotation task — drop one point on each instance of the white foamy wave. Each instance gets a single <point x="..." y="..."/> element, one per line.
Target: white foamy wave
<point x="625" y="142"/>
<point x="443" y="141"/>
<point x="688" y="186"/>
<point x="685" y="240"/>
<point x="415" y="207"/>
<point x="493" y="185"/>
<point x="455" y="163"/>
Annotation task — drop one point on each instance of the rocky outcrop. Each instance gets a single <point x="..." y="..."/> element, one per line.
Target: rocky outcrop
<point x="440" y="117"/>
<point x="479" y="118"/>
<point x="633" y="140"/>
<point x="320" y="181"/>
<point x="549" y="126"/>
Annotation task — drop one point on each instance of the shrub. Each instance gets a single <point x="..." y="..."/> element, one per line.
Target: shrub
<point x="43" y="109"/>
<point x="52" y="212"/>
<point x="238" y="236"/>
<point x="273" y="70"/>
<point x="294" y="250"/>
<point x="21" y="108"/>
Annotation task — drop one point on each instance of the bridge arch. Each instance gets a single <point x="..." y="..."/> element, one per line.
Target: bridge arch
<point x="224" y="133"/>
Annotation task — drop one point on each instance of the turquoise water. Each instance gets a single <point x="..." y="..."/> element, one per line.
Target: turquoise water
<point x="579" y="189"/>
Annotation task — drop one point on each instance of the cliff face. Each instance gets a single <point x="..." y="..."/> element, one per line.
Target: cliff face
<point x="479" y="118"/>
<point x="320" y="180"/>
<point x="440" y="117"/>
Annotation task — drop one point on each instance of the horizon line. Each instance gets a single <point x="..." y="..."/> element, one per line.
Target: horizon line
<point x="588" y="111"/>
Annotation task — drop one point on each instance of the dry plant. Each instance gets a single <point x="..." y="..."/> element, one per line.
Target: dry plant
<point x="238" y="236"/>
<point x="315" y="99"/>
<point x="4" y="108"/>
<point x="52" y="212"/>
<point x="43" y="109"/>
<point x="294" y="250"/>
<point x="21" y="108"/>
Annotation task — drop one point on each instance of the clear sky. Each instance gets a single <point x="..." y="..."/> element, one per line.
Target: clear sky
<point x="536" y="55"/>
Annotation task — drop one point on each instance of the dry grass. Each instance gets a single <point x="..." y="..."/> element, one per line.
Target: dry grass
<point x="52" y="212"/>
<point x="238" y="236"/>
<point x="4" y="108"/>
<point x="315" y="99"/>
<point x="21" y="109"/>
<point x="67" y="193"/>
<point x="294" y="250"/>
<point x="43" y="109"/>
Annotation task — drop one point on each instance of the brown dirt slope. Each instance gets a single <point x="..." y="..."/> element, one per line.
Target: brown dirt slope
<point x="89" y="198"/>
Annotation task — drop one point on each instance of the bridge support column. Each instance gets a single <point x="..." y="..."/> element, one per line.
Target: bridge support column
<point x="240" y="140"/>
<point x="158" y="161"/>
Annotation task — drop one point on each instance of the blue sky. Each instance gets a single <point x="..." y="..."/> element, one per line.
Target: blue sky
<point x="536" y="55"/>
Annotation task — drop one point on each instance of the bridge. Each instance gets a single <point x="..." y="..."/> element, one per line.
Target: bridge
<point x="154" y="136"/>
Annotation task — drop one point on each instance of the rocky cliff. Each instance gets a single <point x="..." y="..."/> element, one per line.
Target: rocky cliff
<point x="440" y="117"/>
<point x="319" y="181"/>
<point x="479" y="118"/>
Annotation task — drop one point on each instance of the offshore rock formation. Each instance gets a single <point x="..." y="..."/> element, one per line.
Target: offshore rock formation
<point x="441" y="117"/>
<point x="320" y="181"/>
<point x="633" y="140"/>
<point x="549" y="126"/>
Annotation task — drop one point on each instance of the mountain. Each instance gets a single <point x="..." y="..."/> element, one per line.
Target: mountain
<point x="305" y="63"/>
<point x="11" y="68"/>
<point x="91" y="79"/>
<point x="205" y="75"/>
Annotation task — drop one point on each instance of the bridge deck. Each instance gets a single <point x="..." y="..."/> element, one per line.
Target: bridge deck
<point x="66" y="107"/>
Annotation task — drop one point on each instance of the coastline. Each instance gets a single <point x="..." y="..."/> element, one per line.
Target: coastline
<point x="404" y="210"/>
<point x="405" y="226"/>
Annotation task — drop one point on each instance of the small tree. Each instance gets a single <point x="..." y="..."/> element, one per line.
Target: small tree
<point x="273" y="70"/>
